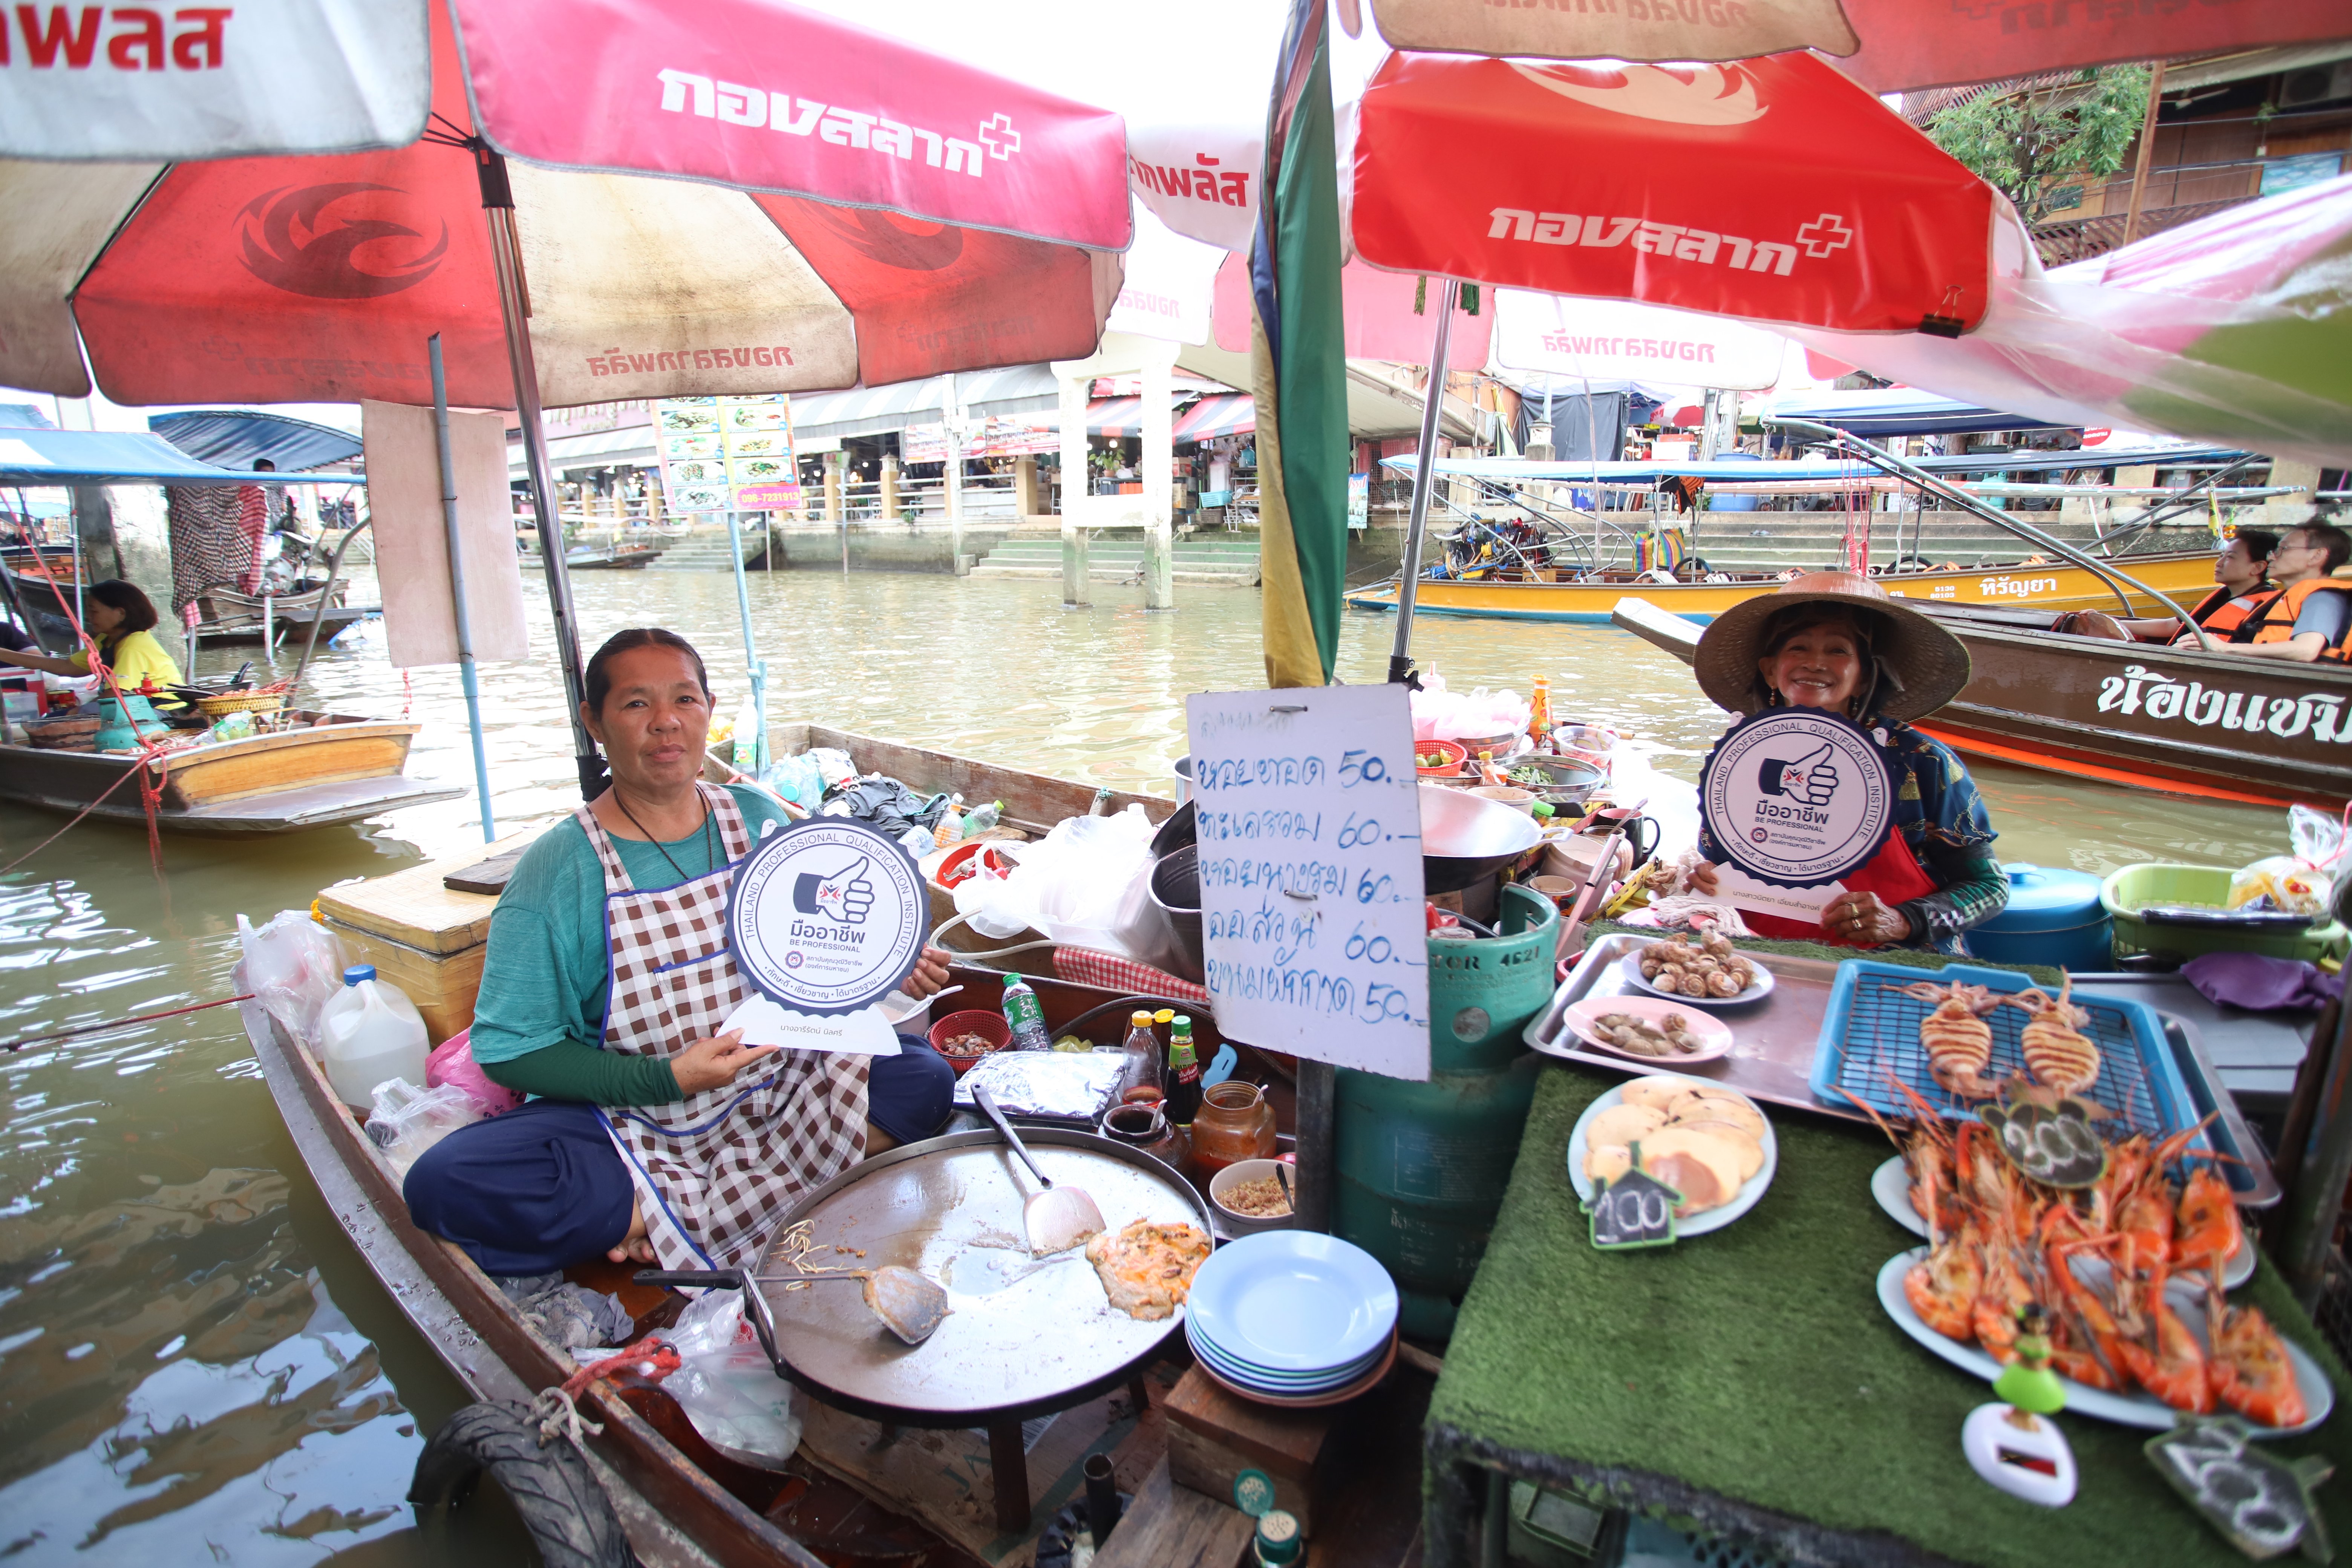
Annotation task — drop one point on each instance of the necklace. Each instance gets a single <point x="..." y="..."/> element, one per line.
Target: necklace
<point x="709" y="854"/>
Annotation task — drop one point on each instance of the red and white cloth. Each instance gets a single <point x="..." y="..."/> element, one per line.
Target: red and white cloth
<point x="1092" y="966"/>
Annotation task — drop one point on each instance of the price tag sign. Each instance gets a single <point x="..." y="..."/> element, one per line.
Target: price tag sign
<point x="1635" y="1210"/>
<point x="826" y="917"/>
<point x="1794" y="798"/>
<point x="1311" y="921"/>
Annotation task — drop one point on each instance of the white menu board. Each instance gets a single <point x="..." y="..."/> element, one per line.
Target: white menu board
<point x="723" y="454"/>
<point x="1311" y="908"/>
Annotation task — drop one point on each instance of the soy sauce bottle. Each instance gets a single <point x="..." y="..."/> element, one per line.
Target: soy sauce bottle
<point x="1183" y="1074"/>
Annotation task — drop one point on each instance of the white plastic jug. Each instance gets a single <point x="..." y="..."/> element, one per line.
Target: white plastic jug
<point x="369" y="1033"/>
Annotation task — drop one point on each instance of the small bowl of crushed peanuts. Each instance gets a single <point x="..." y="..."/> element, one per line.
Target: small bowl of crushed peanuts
<point x="1249" y="1198"/>
<point x="964" y="1037"/>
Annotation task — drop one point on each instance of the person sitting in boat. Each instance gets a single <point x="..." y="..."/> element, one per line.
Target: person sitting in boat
<point x="1839" y="641"/>
<point x="652" y="1135"/>
<point x="2311" y="617"/>
<point x="122" y="621"/>
<point x="2242" y="574"/>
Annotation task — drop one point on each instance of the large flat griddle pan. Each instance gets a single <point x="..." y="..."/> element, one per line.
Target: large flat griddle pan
<point x="1023" y="1337"/>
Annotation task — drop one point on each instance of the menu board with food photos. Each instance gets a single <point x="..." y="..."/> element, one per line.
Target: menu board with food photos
<point x="728" y="454"/>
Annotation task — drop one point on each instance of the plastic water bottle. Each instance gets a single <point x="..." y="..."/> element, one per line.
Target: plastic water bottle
<point x="747" y="736"/>
<point x="976" y="823"/>
<point x="948" y="831"/>
<point x="370" y="1032"/>
<point x="1026" y="1016"/>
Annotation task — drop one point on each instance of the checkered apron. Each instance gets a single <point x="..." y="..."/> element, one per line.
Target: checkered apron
<point x="716" y="1172"/>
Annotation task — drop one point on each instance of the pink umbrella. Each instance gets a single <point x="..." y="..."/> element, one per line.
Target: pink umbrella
<point x="831" y="205"/>
<point x="1888" y="45"/>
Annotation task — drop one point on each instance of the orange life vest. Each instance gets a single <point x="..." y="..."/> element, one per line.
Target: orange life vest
<point x="2274" y="621"/>
<point x="2224" y="614"/>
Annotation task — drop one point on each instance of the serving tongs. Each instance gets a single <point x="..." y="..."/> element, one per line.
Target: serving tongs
<point x="909" y="1304"/>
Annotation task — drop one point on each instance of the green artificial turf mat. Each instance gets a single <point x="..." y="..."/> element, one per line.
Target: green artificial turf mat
<point x="1748" y="1379"/>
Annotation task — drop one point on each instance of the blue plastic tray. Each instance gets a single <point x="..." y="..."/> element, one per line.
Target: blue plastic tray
<point x="1869" y="1028"/>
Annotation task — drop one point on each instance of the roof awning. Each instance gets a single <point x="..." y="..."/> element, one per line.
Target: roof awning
<point x="238" y="437"/>
<point x="104" y="457"/>
<point x="880" y="410"/>
<point x="1579" y="471"/>
<point x="1226" y="414"/>
<point x="1114" y="417"/>
<point x="1897" y="411"/>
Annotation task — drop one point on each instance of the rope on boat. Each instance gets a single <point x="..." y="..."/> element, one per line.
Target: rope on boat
<point x="122" y="1023"/>
<point x="652" y="1358"/>
<point x="138" y="771"/>
<point x="151" y="790"/>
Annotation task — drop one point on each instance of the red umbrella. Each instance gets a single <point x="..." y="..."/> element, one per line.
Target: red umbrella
<point x="831" y="205"/>
<point x="1774" y="190"/>
<point x="1888" y="45"/>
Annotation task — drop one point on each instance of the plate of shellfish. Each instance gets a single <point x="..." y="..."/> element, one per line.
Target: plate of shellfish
<point x="1647" y="1028"/>
<point x="1708" y="973"/>
<point x="1711" y="1144"/>
<point x="2139" y="1351"/>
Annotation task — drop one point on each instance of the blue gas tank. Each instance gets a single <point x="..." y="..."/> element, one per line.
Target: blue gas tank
<point x="2054" y="917"/>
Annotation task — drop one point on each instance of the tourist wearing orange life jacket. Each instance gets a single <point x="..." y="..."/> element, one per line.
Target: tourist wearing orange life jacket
<point x="2312" y="617"/>
<point x="2242" y="572"/>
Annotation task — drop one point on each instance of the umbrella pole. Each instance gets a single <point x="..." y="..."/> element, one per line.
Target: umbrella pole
<point x="514" y="307"/>
<point x="751" y="662"/>
<point x="456" y="585"/>
<point x="1424" y="475"/>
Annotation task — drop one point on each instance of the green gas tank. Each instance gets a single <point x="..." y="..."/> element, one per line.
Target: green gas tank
<point x="118" y="731"/>
<point x="1423" y="1166"/>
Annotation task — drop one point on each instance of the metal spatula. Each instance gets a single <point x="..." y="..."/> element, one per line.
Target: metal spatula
<point x="909" y="1304"/>
<point x="1056" y="1218"/>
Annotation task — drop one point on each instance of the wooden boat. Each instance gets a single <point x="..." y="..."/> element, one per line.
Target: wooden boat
<point x="337" y="768"/>
<point x="41" y="603"/>
<point x="2178" y="720"/>
<point x="678" y="1499"/>
<point x="251" y="619"/>
<point x="2055" y="586"/>
<point x="610" y="557"/>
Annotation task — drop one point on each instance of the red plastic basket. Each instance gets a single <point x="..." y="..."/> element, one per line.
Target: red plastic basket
<point x="974" y="1021"/>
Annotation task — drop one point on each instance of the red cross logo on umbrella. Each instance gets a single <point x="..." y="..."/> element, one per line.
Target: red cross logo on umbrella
<point x="1825" y="234"/>
<point x="996" y="133"/>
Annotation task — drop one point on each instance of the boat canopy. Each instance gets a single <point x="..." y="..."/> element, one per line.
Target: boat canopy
<point x="104" y="457"/>
<point x="1526" y="470"/>
<point x="239" y="438"/>
<point x="1896" y="411"/>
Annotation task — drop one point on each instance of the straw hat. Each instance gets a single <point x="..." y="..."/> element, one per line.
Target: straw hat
<point x="1920" y="666"/>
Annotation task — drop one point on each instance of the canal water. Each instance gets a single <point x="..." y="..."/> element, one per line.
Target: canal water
<point x="194" y="1363"/>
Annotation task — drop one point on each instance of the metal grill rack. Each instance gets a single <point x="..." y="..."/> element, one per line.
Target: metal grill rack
<point x="1872" y="1027"/>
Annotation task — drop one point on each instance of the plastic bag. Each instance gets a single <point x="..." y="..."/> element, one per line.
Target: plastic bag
<point x="452" y="1062"/>
<point x="408" y="1119"/>
<point x="293" y="965"/>
<point x="1439" y="714"/>
<point x="727" y="1387"/>
<point x="1070" y="884"/>
<point x="2300" y="883"/>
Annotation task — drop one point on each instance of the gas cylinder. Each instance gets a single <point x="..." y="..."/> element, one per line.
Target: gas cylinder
<point x="1423" y="1166"/>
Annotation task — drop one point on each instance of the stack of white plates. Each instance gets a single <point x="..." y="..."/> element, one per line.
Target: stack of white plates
<point x="1293" y="1317"/>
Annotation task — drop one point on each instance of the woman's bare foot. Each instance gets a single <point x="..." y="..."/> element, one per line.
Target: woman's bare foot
<point x="637" y="1246"/>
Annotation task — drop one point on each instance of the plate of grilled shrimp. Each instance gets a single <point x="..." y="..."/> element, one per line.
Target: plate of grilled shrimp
<point x="1708" y="973"/>
<point x="2128" y="1271"/>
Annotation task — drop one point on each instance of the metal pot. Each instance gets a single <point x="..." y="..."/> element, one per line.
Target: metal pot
<point x="1176" y="894"/>
<point x="1465" y="838"/>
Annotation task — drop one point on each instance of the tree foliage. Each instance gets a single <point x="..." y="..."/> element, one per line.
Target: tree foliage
<point x="2017" y="142"/>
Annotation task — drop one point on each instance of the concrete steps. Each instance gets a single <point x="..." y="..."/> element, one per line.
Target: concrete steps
<point x="704" y="550"/>
<point x="1229" y="561"/>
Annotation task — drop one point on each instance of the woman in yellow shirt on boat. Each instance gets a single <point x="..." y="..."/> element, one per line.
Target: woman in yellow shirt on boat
<point x="122" y="621"/>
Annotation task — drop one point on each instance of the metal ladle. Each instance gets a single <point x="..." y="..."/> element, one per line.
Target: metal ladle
<point x="1056" y="1218"/>
<point x="909" y="1304"/>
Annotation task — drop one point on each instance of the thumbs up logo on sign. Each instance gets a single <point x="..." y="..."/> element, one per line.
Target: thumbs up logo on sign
<point x="1812" y="778"/>
<point x="845" y="895"/>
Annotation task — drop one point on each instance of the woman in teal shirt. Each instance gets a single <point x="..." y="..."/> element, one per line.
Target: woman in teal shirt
<point x="641" y="1140"/>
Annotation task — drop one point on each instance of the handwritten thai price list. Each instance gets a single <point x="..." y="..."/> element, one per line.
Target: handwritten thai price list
<point x="1311" y="906"/>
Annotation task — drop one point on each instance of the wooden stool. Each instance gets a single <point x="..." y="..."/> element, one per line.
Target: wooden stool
<point x="1214" y="1435"/>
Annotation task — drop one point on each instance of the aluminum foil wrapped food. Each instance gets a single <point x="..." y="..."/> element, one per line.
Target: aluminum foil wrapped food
<point x="1064" y="1086"/>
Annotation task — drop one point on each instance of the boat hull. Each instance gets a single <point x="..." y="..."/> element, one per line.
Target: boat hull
<point x="2216" y="726"/>
<point x="340" y="773"/>
<point x="2055" y="587"/>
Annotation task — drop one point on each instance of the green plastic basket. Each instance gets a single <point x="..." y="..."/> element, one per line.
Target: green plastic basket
<point x="2134" y="888"/>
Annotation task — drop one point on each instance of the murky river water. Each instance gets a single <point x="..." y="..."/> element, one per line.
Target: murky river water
<point x="194" y="1365"/>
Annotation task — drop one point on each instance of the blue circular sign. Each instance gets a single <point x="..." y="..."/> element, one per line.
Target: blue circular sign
<point x="1797" y="797"/>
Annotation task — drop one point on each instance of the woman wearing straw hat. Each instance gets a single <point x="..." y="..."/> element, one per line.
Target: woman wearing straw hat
<point x="1837" y="641"/>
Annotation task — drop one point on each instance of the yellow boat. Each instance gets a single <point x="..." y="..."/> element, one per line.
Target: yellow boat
<point x="2054" y="586"/>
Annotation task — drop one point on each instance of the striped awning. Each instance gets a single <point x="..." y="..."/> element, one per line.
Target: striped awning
<point x="1114" y="417"/>
<point x="1225" y="413"/>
